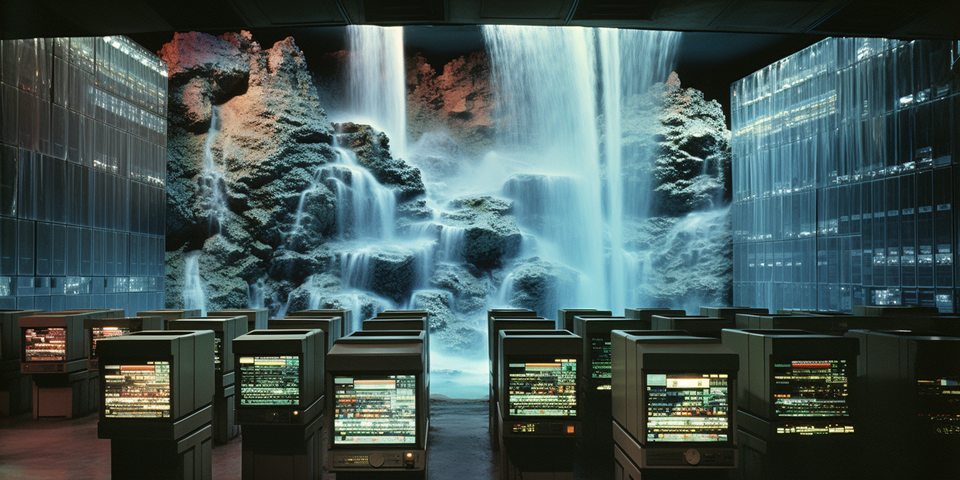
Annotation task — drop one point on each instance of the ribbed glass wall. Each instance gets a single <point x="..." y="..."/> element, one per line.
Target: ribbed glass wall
<point x="82" y="173"/>
<point x="845" y="157"/>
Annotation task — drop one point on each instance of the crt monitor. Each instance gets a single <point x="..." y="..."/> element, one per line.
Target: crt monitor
<point x="99" y="328"/>
<point x="345" y="316"/>
<point x="595" y="332"/>
<point x="687" y="407"/>
<point x="137" y="389"/>
<point x="375" y="410"/>
<point x="225" y="330"/>
<point x="256" y="317"/>
<point x="279" y="376"/>
<point x="332" y="326"/>
<point x="542" y="387"/>
<point x="565" y="316"/>
<point x="52" y="343"/>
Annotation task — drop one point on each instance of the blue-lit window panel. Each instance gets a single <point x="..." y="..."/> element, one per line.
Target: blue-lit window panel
<point x="927" y="297"/>
<point x="9" y="118"/>
<point x="7" y="303"/>
<point x="923" y="135"/>
<point x="98" y="301"/>
<point x="27" y="66"/>
<point x="8" y="61"/>
<point x="28" y="173"/>
<point x="144" y="255"/>
<point x="59" y="131"/>
<point x="846" y="260"/>
<point x="9" y="260"/>
<point x="44" y="129"/>
<point x="866" y="233"/>
<point x="57" y="303"/>
<point x="946" y="300"/>
<point x="778" y="262"/>
<point x="943" y="226"/>
<point x="888" y="142"/>
<point x="843" y="209"/>
<point x="856" y="261"/>
<point x="133" y="264"/>
<point x="892" y="222"/>
<point x="821" y="260"/>
<point x="905" y="91"/>
<point x="905" y="146"/>
<point x="942" y="131"/>
<point x="767" y="262"/>
<point x="26" y="286"/>
<point x="74" y="136"/>
<point x="925" y="227"/>
<point x="78" y="301"/>
<point x="41" y="286"/>
<point x="87" y="142"/>
<point x="8" y="180"/>
<point x="856" y="213"/>
<point x="25" y="303"/>
<point x="98" y="285"/>
<point x="26" y="236"/>
<point x="46" y="194"/>
<point x="44" y="249"/>
<point x="86" y="247"/>
<point x="97" y="252"/>
<point x="72" y="251"/>
<point x="28" y="113"/>
<point x="59" y="257"/>
<point x="123" y="257"/>
<point x="135" y="217"/>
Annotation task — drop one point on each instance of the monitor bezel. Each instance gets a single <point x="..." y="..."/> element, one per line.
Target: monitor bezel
<point x="66" y="344"/>
<point x="731" y="409"/>
<point x="778" y="420"/>
<point x="507" y="360"/>
<point x="418" y="441"/>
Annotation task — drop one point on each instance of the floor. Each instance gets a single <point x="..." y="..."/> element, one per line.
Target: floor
<point x="57" y="448"/>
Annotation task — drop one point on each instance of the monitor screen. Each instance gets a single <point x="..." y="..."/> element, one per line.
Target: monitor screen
<point x="375" y="410"/>
<point x="600" y="361"/>
<point x="45" y="344"/>
<point x="687" y="407"/>
<point x="812" y="396"/>
<point x="939" y="405"/>
<point x="137" y="391"/>
<point x="542" y="389"/>
<point x="270" y="380"/>
<point x="96" y="333"/>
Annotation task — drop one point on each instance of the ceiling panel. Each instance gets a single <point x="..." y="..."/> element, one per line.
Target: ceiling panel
<point x="529" y="9"/>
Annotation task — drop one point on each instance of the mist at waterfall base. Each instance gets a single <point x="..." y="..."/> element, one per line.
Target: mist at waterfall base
<point x="558" y="156"/>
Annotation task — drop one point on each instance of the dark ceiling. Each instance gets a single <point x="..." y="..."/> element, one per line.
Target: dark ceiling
<point x="726" y="39"/>
<point x="877" y="18"/>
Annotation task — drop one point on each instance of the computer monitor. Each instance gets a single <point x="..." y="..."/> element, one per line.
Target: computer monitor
<point x="225" y="329"/>
<point x="99" y="328"/>
<point x="795" y="383"/>
<point x="279" y="376"/>
<point x="674" y="402"/>
<point x="168" y="315"/>
<point x="52" y="343"/>
<point x="731" y="312"/>
<point x="596" y="347"/>
<point x="646" y="314"/>
<point x="256" y="317"/>
<point x="698" y="326"/>
<point x="332" y="326"/>
<point x="378" y="417"/>
<point x="346" y="317"/>
<point x="565" y="316"/>
<point x="152" y="377"/>
<point x="10" y="333"/>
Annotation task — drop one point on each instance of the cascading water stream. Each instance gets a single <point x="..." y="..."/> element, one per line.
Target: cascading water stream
<point x="377" y="81"/>
<point x="553" y="84"/>
<point x="212" y="185"/>
<point x="193" y="295"/>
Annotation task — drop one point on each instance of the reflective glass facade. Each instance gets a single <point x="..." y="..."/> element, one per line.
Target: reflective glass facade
<point x="845" y="161"/>
<point x="82" y="173"/>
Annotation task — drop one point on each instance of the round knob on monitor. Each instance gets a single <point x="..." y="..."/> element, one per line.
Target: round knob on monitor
<point x="692" y="456"/>
<point x="376" y="459"/>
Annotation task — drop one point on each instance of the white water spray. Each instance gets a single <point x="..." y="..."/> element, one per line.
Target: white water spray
<point x="377" y="84"/>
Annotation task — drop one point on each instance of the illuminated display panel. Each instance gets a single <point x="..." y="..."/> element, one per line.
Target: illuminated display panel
<point x="270" y="380"/>
<point x="600" y="367"/>
<point x="375" y="410"/>
<point x="811" y="397"/>
<point x="687" y="407"/>
<point x="45" y="344"/>
<point x="939" y="405"/>
<point x="543" y="389"/>
<point x="137" y="391"/>
<point x="96" y="333"/>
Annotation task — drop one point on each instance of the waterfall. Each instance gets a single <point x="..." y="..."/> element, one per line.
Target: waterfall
<point x="377" y="94"/>
<point x="554" y="84"/>
<point x="211" y="184"/>
<point x="365" y="209"/>
<point x="193" y="296"/>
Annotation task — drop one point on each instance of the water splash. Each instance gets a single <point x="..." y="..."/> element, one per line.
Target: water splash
<point x="212" y="185"/>
<point x="377" y="85"/>
<point x="193" y="295"/>
<point x="365" y="209"/>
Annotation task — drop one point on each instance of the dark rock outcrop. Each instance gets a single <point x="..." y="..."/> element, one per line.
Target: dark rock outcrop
<point x="469" y="289"/>
<point x="537" y="284"/>
<point x="491" y="233"/>
<point x="373" y="152"/>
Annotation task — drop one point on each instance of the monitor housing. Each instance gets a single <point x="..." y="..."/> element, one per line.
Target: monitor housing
<point x="96" y="329"/>
<point x="539" y="384"/>
<point x="565" y="316"/>
<point x="657" y="380"/>
<point x="256" y="317"/>
<point x="368" y="376"/>
<point x="731" y="312"/>
<point x="52" y="343"/>
<point x="332" y="326"/>
<point x="346" y="317"/>
<point x="700" y="326"/>
<point x="795" y="383"/>
<point x="279" y="376"/>
<point x="646" y="314"/>
<point x="168" y="315"/>
<point x="225" y="330"/>
<point x="595" y="331"/>
<point x="155" y="384"/>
